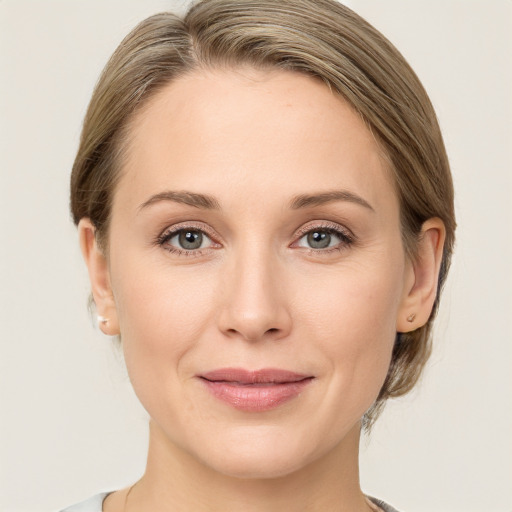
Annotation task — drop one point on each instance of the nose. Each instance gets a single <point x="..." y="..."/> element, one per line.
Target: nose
<point x="254" y="300"/>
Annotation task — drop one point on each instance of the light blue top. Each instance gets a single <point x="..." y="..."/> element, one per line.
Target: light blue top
<point x="95" y="504"/>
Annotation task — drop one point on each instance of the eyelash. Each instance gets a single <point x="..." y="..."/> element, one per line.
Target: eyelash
<point x="345" y="236"/>
<point x="163" y="239"/>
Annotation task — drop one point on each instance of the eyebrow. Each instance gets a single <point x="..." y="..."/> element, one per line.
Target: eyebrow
<point x="307" y="200"/>
<point x="207" y="202"/>
<point x="189" y="198"/>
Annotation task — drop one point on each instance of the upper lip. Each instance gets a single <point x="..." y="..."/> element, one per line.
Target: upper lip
<point x="262" y="376"/>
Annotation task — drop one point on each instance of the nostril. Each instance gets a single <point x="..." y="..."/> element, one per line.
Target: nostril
<point x="272" y="332"/>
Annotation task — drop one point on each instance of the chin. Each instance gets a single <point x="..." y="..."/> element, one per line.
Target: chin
<point x="265" y="454"/>
<point x="258" y="466"/>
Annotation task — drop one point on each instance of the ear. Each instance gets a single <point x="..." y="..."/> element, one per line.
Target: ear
<point x="422" y="277"/>
<point x="99" y="276"/>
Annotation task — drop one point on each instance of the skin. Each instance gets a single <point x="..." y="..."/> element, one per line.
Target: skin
<point x="256" y="295"/>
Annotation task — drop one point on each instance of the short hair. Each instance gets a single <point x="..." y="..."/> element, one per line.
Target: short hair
<point x="320" y="38"/>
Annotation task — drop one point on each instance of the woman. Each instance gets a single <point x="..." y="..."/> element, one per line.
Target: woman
<point x="265" y="208"/>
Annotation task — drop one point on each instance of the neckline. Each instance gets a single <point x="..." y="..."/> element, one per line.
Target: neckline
<point x="372" y="502"/>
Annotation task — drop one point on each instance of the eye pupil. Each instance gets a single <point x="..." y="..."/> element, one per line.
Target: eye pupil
<point x="190" y="239"/>
<point x="319" y="239"/>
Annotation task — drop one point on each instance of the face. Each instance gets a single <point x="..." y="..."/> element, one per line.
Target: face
<point x="256" y="267"/>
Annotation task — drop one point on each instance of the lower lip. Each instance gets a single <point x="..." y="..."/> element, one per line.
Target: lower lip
<point x="256" y="397"/>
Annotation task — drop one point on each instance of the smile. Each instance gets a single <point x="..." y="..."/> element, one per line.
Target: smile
<point x="255" y="391"/>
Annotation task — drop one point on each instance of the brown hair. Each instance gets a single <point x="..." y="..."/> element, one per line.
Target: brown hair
<point x="321" y="38"/>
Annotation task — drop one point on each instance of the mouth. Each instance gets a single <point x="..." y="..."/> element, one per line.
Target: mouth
<point x="255" y="391"/>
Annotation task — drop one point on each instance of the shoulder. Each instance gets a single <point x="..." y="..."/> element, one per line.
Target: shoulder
<point x="383" y="506"/>
<point x="93" y="504"/>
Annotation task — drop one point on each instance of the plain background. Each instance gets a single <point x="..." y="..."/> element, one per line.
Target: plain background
<point x="69" y="423"/>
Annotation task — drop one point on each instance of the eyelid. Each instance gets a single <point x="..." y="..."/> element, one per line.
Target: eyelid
<point x="171" y="231"/>
<point x="193" y="225"/>
<point x="346" y="235"/>
<point x="327" y="225"/>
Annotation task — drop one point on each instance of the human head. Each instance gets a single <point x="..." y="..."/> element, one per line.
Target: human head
<point x="320" y="38"/>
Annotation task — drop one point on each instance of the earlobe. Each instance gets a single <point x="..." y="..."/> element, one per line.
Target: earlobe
<point x="423" y="274"/>
<point x="99" y="276"/>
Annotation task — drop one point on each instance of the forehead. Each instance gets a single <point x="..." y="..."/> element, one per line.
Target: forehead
<point x="275" y="133"/>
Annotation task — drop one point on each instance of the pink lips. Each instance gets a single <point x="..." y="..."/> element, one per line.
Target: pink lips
<point x="255" y="391"/>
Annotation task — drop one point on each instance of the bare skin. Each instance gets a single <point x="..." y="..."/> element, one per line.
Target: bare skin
<point x="298" y="264"/>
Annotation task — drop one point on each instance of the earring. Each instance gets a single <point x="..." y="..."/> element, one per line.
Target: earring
<point x="411" y="317"/>
<point x="102" y="320"/>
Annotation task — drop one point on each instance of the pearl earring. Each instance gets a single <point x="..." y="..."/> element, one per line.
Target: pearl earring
<point x="102" y="320"/>
<point x="411" y="317"/>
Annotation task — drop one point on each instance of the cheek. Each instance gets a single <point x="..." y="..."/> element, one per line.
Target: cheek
<point x="353" y="317"/>
<point x="162" y="313"/>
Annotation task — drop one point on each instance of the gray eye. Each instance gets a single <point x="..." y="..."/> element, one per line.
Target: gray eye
<point x="319" y="239"/>
<point x="187" y="240"/>
<point x="190" y="240"/>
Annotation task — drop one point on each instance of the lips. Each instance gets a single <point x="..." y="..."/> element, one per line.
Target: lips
<point x="255" y="391"/>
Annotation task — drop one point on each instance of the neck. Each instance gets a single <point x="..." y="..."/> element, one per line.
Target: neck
<point x="175" y="480"/>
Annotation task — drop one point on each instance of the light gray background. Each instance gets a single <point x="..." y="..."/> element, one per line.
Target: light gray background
<point x="69" y="423"/>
